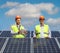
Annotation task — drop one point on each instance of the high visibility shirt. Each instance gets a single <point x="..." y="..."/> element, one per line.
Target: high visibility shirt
<point x="15" y="29"/>
<point x="42" y="31"/>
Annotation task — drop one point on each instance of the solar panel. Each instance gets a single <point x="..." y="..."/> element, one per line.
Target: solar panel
<point x="18" y="46"/>
<point x="28" y="34"/>
<point x="6" y="34"/>
<point x="0" y="31"/>
<point x="58" y="39"/>
<point x="55" y="33"/>
<point x="2" y="40"/>
<point x="45" y="46"/>
<point x="24" y="45"/>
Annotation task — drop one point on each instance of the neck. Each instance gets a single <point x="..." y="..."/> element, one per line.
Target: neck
<point x="42" y="24"/>
<point x="17" y="24"/>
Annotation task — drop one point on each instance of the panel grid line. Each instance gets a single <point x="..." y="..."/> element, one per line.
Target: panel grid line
<point x="31" y="48"/>
<point x="22" y="46"/>
<point x="46" y="46"/>
<point x="4" y="45"/>
<point x="8" y="48"/>
<point x="26" y="46"/>
<point x="57" y="42"/>
<point x="17" y="47"/>
<point x="50" y="46"/>
<point x="41" y="46"/>
<point x="53" y="46"/>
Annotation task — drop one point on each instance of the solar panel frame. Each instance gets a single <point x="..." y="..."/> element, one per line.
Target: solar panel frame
<point x="0" y="31"/>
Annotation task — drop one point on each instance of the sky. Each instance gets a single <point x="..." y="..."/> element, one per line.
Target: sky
<point x="30" y="10"/>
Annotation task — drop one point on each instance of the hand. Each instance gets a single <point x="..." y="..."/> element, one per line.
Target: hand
<point x="47" y="37"/>
<point x="34" y="37"/>
<point x="19" y="32"/>
<point x="22" y="32"/>
<point x="25" y="32"/>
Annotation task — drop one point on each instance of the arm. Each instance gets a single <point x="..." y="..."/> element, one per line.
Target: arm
<point x="23" y="31"/>
<point x="13" y="33"/>
<point x="49" y="33"/>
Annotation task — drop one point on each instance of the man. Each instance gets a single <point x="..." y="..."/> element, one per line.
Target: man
<point x="17" y="29"/>
<point x="42" y="30"/>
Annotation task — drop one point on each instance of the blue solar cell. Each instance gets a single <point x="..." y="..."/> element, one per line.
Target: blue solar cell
<point x="0" y="31"/>
<point x="18" y="46"/>
<point x="45" y="46"/>
<point x="6" y="34"/>
<point x="55" y="33"/>
<point x="58" y="39"/>
<point x="2" y="40"/>
<point x="28" y="34"/>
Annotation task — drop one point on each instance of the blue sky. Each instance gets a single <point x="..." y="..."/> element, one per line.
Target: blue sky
<point x="30" y="10"/>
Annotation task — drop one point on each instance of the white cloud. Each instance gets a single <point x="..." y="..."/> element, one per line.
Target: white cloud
<point x="29" y="22"/>
<point x="25" y="10"/>
<point x="53" y="21"/>
<point x="49" y="7"/>
<point x="29" y="10"/>
<point x="9" y="4"/>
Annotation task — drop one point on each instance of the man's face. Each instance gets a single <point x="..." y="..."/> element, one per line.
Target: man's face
<point x="18" y="21"/>
<point x="41" y="21"/>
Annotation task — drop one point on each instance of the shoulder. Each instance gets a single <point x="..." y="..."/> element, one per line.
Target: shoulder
<point x="37" y="26"/>
<point x="22" y="26"/>
<point x="13" y="25"/>
<point x="46" y="25"/>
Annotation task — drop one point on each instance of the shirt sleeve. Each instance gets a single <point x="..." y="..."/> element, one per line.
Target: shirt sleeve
<point x="13" y="32"/>
<point x="34" y="34"/>
<point x="49" y="33"/>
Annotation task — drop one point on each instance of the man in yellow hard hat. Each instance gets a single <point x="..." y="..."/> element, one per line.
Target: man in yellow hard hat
<point x="42" y="30"/>
<point x="17" y="29"/>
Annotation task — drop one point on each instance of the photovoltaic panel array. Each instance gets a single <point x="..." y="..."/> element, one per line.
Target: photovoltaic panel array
<point x="18" y="46"/>
<point x="2" y="40"/>
<point x="6" y="34"/>
<point x="58" y="39"/>
<point x="45" y="46"/>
